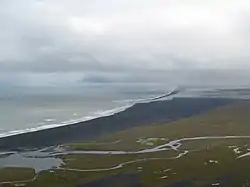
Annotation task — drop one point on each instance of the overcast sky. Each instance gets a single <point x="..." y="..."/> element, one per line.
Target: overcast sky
<point x="42" y="41"/>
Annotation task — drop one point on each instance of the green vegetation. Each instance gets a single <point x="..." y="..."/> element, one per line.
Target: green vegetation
<point x="16" y="174"/>
<point x="139" y="144"/>
<point x="89" y="145"/>
<point x="108" y="161"/>
<point x="228" y="120"/>
<point x="213" y="162"/>
<point x="205" y="166"/>
<point x="224" y="121"/>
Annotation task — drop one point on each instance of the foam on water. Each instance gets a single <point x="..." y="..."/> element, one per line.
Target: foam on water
<point x="97" y="114"/>
<point x="49" y="123"/>
<point x="119" y="106"/>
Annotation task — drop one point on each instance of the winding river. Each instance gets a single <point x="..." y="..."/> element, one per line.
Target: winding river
<point x="47" y="158"/>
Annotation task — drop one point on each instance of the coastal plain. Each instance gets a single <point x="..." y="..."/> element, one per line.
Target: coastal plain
<point x="206" y="144"/>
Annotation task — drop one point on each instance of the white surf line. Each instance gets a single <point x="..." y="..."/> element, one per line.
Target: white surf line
<point x="174" y="145"/>
<point x="21" y="181"/>
<point x="119" y="166"/>
<point x="165" y="96"/>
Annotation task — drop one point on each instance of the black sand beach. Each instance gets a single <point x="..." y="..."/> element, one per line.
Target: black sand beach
<point x="138" y="115"/>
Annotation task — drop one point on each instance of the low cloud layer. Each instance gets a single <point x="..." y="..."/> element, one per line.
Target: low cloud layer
<point x="126" y="40"/>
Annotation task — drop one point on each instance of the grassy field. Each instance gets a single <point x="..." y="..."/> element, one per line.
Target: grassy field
<point x="224" y="121"/>
<point x="214" y="162"/>
<point x="200" y="167"/>
<point x="16" y="174"/>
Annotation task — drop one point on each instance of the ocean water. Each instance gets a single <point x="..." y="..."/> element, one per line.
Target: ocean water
<point x="26" y="109"/>
<point x="29" y="109"/>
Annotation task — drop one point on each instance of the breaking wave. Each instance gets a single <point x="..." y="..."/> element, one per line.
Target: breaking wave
<point x="97" y="114"/>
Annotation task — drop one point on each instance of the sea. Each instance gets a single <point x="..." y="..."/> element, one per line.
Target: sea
<point x="27" y="109"/>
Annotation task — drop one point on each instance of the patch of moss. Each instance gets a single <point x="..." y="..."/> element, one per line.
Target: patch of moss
<point x="16" y="174"/>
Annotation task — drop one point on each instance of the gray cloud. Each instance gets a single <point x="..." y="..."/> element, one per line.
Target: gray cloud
<point x="125" y="40"/>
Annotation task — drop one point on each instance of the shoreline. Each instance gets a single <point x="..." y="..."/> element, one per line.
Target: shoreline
<point x="106" y="113"/>
<point x="138" y="115"/>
